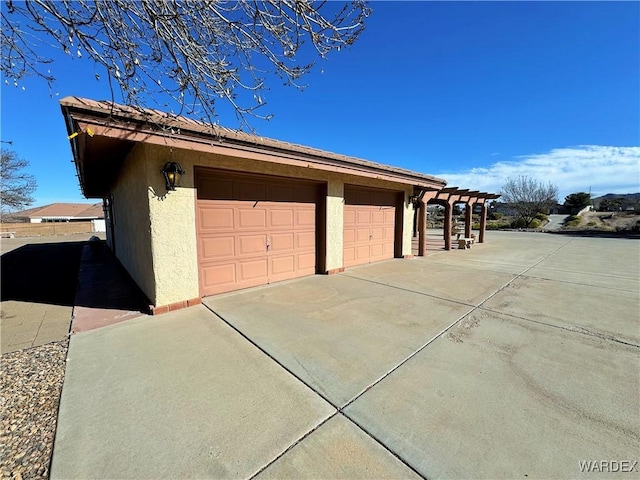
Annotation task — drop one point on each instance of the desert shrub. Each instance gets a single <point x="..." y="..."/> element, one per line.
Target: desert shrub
<point x="475" y="226"/>
<point x="522" y="223"/>
<point x="498" y="226"/>
<point x="542" y="217"/>
<point x="592" y="224"/>
<point x="573" y="221"/>
<point x="495" y="216"/>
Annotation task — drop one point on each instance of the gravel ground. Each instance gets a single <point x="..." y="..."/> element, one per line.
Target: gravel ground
<point x="30" y="386"/>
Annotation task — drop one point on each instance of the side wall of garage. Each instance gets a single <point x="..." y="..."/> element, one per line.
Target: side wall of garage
<point x="171" y="274"/>
<point x="132" y="223"/>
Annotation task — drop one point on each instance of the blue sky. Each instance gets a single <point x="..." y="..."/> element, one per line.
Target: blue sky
<point x="474" y="92"/>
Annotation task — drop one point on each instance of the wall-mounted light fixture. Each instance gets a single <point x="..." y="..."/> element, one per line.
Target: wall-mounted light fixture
<point x="416" y="197"/>
<point x="172" y="172"/>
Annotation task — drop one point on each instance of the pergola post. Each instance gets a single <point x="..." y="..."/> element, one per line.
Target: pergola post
<point x="483" y="221"/>
<point x="448" y="209"/>
<point x="422" y="228"/>
<point x="468" y="215"/>
<point x="449" y="196"/>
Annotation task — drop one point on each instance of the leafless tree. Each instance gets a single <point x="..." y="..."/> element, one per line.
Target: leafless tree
<point x="16" y="186"/>
<point x="528" y="196"/>
<point x="182" y="54"/>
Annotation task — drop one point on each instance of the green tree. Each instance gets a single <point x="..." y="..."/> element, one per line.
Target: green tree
<point x="610" y="205"/>
<point x="577" y="201"/>
<point x="184" y="54"/>
<point x="528" y="197"/>
<point x="16" y="186"/>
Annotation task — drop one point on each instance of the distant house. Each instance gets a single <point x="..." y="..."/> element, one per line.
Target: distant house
<point x="63" y="212"/>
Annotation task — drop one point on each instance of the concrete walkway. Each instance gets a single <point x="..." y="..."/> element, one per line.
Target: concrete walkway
<point x="38" y="288"/>
<point x="555" y="223"/>
<point x="53" y="286"/>
<point x="519" y="358"/>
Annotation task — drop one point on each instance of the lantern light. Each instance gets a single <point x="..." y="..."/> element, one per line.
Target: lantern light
<point x="172" y="172"/>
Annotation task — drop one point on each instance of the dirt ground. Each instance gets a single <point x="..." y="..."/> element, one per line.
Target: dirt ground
<point x="609" y="221"/>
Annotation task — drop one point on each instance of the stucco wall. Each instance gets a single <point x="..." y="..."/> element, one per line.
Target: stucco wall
<point x="173" y="232"/>
<point x="335" y="223"/>
<point x="131" y="221"/>
<point x="407" y="225"/>
<point x="162" y="253"/>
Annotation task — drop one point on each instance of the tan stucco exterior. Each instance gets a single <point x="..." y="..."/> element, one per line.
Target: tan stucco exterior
<point x="156" y="230"/>
<point x="131" y="221"/>
<point x="119" y="152"/>
<point x="335" y="224"/>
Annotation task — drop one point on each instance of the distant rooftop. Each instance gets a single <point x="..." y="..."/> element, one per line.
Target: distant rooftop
<point x="76" y="211"/>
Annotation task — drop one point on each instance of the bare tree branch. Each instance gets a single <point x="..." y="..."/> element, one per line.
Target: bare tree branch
<point x="528" y="197"/>
<point x="16" y="186"/>
<point x="186" y="54"/>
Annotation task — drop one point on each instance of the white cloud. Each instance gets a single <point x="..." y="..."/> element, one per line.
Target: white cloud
<point x="573" y="169"/>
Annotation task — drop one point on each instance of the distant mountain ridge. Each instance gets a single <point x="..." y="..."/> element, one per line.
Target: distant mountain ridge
<point x="627" y="199"/>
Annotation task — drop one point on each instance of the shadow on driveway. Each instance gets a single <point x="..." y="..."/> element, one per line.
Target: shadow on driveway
<point x="41" y="273"/>
<point x="103" y="283"/>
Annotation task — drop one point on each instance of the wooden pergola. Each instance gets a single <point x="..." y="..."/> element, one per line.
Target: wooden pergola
<point x="448" y="197"/>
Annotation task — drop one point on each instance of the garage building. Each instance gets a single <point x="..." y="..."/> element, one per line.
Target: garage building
<point x="248" y="210"/>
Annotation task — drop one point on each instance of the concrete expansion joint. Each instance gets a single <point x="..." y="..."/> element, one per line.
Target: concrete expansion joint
<point x="400" y="364"/>
<point x="521" y="274"/>
<point x="271" y="357"/>
<point x="338" y="410"/>
<point x="424" y="294"/>
<point x="379" y="442"/>
<point x="293" y="444"/>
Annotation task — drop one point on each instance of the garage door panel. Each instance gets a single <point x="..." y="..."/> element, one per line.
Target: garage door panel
<point x="377" y="233"/>
<point x="281" y="217"/>
<point x="282" y="242"/>
<point x="389" y="233"/>
<point x="349" y="255"/>
<point x="369" y="226"/>
<point x="251" y="218"/>
<point x="253" y="269"/>
<point x="283" y="266"/>
<point x="362" y="252"/>
<point x="212" y="218"/>
<point x="363" y="234"/>
<point x="252" y="244"/>
<point x="306" y="218"/>
<point x="253" y="231"/>
<point x="376" y="250"/>
<point x="307" y="263"/>
<point x="378" y="217"/>
<point x="388" y="250"/>
<point x="349" y="216"/>
<point x="217" y="248"/>
<point x="306" y="241"/>
<point x="349" y="236"/>
<point x="217" y="276"/>
<point x="389" y="215"/>
<point x="363" y="217"/>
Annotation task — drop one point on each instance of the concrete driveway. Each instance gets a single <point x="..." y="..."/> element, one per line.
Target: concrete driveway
<point x="555" y="222"/>
<point x="519" y="358"/>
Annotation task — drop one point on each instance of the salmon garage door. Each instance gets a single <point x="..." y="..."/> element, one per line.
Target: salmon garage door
<point x="253" y="230"/>
<point x="369" y="225"/>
